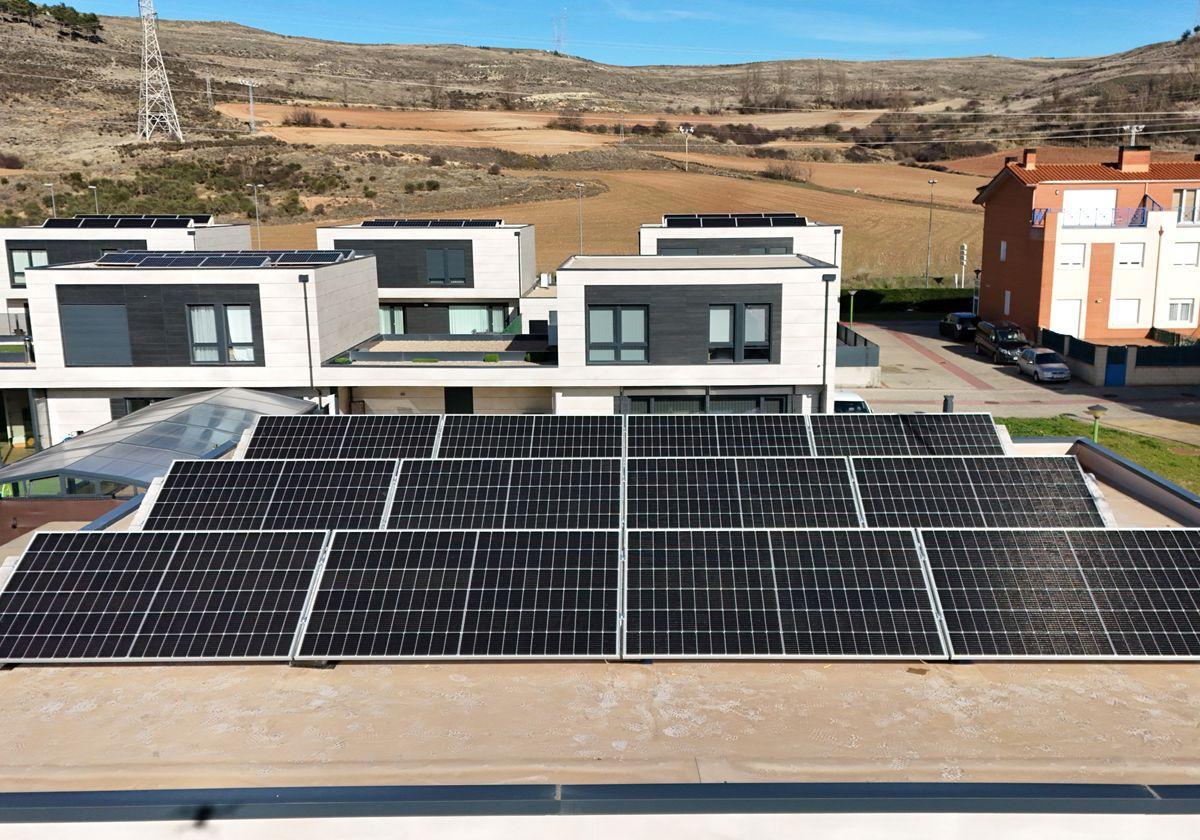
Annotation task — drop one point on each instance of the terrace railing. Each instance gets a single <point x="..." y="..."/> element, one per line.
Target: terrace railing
<point x="1119" y="217"/>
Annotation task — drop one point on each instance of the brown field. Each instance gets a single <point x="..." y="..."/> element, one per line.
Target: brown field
<point x="989" y="165"/>
<point x="882" y="238"/>
<point x="883" y="180"/>
<point x="525" y="141"/>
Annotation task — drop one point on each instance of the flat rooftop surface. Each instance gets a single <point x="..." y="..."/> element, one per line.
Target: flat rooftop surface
<point x="614" y="262"/>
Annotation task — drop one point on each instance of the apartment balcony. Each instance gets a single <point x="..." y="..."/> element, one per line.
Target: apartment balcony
<point x="16" y="350"/>
<point x="484" y="349"/>
<point x="1120" y="217"/>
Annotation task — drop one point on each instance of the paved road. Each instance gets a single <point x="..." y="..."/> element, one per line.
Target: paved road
<point x="919" y="366"/>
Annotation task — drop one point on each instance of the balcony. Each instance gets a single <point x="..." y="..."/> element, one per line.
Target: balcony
<point x="1119" y="217"/>
<point x="16" y="350"/>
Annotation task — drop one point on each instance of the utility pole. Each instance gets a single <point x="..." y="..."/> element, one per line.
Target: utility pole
<point x="580" y="187"/>
<point x="687" y="131"/>
<point x="929" y="238"/>
<point x="208" y="90"/>
<point x="257" y="219"/>
<point x="1134" y="130"/>
<point x="156" y="106"/>
<point x="53" y="201"/>
<point x="249" y="83"/>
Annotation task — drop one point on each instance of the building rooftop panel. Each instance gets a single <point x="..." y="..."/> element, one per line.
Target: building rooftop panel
<point x="670" y="263"/>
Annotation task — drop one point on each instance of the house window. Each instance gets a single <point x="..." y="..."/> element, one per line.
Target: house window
<point x="677" y="252"/>
<point x="739" y="332"/>
<point x="23" y="258"/>
<point x="617" y="334"/>
<point x="1125" y="312"/>
<point x="1187" y="208"/>
<point x="1007" y="302"/>
<point x="1003" y="250"/>
<point x="1130" y="254"/>
<point x="1186" y="253"/>
<point x="221" y="334"/>
<point x="391" y="319"/>
<point x="446" y="266"/>
<point x="1071" y="254"/>
<point x="468" y="319"/>
<point x="1181" y="310"/>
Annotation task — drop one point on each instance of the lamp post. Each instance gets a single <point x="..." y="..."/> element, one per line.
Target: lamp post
<point x="852" y="293"/>
<point x="53" y="200"/>
<point x="929" y="238"/>
<point x="580" y="187"/>
<point x="1097" y="411"/>
<point x="829" y="280"/>
<point x="95" y="195"/>
<point x="687" y="131"/>
<point x="975" y="302"/>
<point x="257" y="219"/>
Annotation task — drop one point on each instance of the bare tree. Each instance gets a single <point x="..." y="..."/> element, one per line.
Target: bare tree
<point x="436" y="98"/>
<point x="750" y="88"/>
<point x="781" y="96"/>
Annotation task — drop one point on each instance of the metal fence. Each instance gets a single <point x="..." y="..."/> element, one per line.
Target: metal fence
<point x="855" y="351"/>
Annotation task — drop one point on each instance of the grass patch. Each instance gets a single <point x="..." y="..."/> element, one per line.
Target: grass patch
<point x="424" y="361"/>
<point x="491" y="357"/>
<point x="1177" y="462"/>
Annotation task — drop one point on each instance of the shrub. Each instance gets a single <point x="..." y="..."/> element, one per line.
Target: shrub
<point x="369" y="193"/>
<point x="494" y="169"/>
<point x="410" y="188"/>
<point x="8" y="160"/>
<point x="491" y="357"/>
<point x="437" y="160"/>
<point x="302" y="117"/>
<point x="432" y="185"/>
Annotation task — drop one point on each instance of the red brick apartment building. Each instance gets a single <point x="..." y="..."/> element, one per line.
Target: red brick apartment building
<point x="1100" y="251"/>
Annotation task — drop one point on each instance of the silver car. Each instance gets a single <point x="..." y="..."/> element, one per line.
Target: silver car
<point x="1043" y="364"/>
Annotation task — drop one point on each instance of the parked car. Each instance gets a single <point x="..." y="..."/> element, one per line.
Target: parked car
<point x="1043" y="364"/>
<point x="958" y="326"/>
<point x="848" y="402"/>
<point x="1003" y="341"/>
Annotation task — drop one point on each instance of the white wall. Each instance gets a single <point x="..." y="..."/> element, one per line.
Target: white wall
<point x="71" y="414"/>
<point x="345" y="307"/>
<point x="223" y="238"/>
<point x="816" y="241"/>
<point x="585" y="400"/>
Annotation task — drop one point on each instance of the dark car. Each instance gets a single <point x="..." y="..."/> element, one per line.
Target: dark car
<point x="1003" y="341"/>
<point x="959" y="326"/>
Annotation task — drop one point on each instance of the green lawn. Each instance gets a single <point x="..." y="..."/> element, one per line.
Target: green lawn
<point x="1177" y="462"/>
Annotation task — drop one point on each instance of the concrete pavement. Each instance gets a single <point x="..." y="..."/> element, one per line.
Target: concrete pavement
<point x="919" y="367"/>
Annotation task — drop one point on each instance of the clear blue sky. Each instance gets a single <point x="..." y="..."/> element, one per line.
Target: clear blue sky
<point x="716" y="31"/>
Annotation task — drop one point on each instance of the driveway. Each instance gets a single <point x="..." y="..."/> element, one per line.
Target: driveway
<point x="919" y="367"/>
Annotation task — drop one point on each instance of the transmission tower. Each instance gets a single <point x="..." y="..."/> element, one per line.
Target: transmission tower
<point x="156" y="106"/>
<point x="559" y="23"/>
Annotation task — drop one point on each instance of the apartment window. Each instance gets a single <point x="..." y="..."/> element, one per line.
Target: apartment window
<point x="1186" y="253"/>
<point x="617" y="334"/>
<point x="23" y="258"/>
<point x="1181" y="310"/>
<point x="221" y="334"/>
<point x="1125" y="312"/>
<point x="1187" y="208"/>
<point x="1130" y="254"/>
<point x="1003" y="250"/>
<point x="468" y="319"/>
<point x="739" y="333"/>
<point x="1007" y="302"/>
<point x="391" y="319"/>
<point x="677" y="252"/>
<point x="1072" y="254"/>
<point x="446" y="266"/>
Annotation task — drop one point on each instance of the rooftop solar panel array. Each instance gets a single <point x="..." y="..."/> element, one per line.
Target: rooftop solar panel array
<point x="719" y="435"/>
<point x="221" y="259"/>
<point x="344" y="436"/>
<point x="157" y="596"/>
<point x="530" y="436"/>
<point x="85" y="221"/>
<point x="733" y="220"/>
<point x="905" y="434"/>
<point x="432" y="223"/>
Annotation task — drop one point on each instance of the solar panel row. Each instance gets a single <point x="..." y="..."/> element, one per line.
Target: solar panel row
<point x="221" y="259"/>
<point x="432" y="223"/>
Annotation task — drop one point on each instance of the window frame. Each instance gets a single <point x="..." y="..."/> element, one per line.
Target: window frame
<point x="1126" y="324"/>
<point x="617" y="344"/>
<point x="738" y="344"/>
<point x="445" y="279"/>
<point x="12" y="264"/>
<point x="1141" y="260"/>
<point x="224" y="345"/>
<point x="1181" y="197"/>
<point x="1062" y="256"/>
<point x="1193" y="256"/>
<point x="392" y="309"/>
<point x="1190" y="303"/>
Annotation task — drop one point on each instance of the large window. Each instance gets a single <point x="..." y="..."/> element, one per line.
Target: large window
<point x="221" y="334"/>
<point x="1186" y="253"/>
<point x="467" y="319"/>
<point x="1181" y="310"/>
<point x="446" y="266"/>
<point x="617" y="334"/>
<point x="391" y="319"/>
<point x="1187" y="208"/>
<point x="23" y="258"/>
<point x="739" y="332"/>
<point x="677" y="252"/>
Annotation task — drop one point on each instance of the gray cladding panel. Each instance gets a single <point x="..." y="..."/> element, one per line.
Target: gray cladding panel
<point x="95" y="335"/>
<point x="706" y="247"/>
<point x="679" y="315"/>
<point x="157" y="315"/>
<point x="400" y="263"/>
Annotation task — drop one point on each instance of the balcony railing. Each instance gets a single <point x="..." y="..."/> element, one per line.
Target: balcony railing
<point x="16" y="349"/>
<point x="1119" y="217"/>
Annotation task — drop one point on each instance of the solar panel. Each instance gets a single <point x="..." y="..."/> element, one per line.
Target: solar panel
<point x="718" y="434"/>
<point x="906" y="434"/>
<point x="223" y="259"/>
<point x="402" y="595"/>
<point x="432" y="223"/>
<point x="740" y="493"/>
<point x="272" y="495"/>
<point x="156" y="596"/>
<point x="344" y="436"/>
<point x="975" y="492"/>
<point x="810" y="594"/>
<point x="530" y="436"/>
<point x="495" y="493"/>
<point x="729" y="220"/>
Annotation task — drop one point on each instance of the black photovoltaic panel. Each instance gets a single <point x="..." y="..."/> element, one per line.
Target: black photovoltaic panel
<point x="729" y="220"/>
<point x="684" y="435"/>
<point x="403" y="594"/>
<point x="906" y="434"/>
<point x="222" y="259"/>
<point x="740" y="493"/>
<point x="497" y="493"/>
<point x="131" y="221"/>
<point x="816" y="594"/>
<point x="975" y="492"/>
<point x="157" y="596"/>
<point x="272" y="495"/>
<point x="432" y="223"/>
<point x="343" y="436"/>
<point x="530" y="436"/>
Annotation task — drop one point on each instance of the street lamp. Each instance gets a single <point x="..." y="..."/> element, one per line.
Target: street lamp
<point x="96" y="195"/>
<point x="53" y="200"/>
<point x="1097" y="411"/>
<point x="580" y="187"/>
<point x="828" y="280"/>
<point x="852" y="293"/>
<point x="687" y="131"/>
<point x="257" y="219"/>
<point x="929" y="239"/>
<point x="975" y="301"/>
